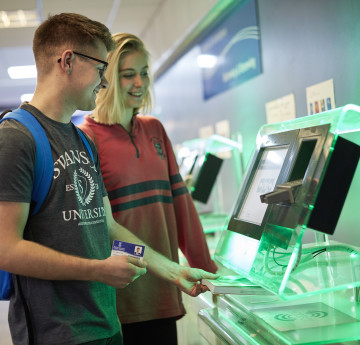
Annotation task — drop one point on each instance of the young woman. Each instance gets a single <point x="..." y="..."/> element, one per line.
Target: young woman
<point x="146" y="191"/>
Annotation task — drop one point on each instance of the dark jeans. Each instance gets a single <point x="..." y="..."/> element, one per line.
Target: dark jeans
<point x="115" y="340"/>
<point x="159" y="332"/>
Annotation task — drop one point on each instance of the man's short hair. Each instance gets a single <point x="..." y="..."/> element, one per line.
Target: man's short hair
<point x="67" y="31"/>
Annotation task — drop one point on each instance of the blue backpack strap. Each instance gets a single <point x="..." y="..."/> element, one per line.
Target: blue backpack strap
<point x="43" y="174"/>
<point x="6" y="285"/>
<point x="86" y="143"/>
<point x="44" y="164"/>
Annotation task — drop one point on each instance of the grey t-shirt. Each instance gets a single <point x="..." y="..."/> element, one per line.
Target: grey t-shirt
<point x="71" y="220"/>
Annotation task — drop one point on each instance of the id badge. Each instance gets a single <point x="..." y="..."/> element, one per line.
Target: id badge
<point x="126" y="248"/>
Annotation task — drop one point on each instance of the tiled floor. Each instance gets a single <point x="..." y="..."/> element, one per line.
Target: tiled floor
<point x="5" y="338"/>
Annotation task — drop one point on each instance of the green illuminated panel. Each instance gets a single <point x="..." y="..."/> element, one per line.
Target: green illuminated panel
<point x="276" y="258"/>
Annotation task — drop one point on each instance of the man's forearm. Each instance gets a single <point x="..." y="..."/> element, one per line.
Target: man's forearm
<point x="32" y="259"/>
<point x="45" y="263"/>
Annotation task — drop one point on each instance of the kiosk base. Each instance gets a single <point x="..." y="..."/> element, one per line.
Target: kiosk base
<point x="258" y="320"/>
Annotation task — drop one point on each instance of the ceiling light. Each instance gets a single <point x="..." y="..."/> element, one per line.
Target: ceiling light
<point x="19" y="19"/>
<point x="22" y="72"/>
<point x="206" y="61"/>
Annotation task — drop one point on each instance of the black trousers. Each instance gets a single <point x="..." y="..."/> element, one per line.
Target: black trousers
<point x="159" y="332"/>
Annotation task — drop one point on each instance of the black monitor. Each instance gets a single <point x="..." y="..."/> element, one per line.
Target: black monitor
<point x="295" y="177"/>
<point x="203" y="176"/>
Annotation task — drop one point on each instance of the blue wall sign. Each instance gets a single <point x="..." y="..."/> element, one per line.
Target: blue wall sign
<point x="235" y="42"/>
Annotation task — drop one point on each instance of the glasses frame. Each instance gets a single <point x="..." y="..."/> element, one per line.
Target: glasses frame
<point x="91" y="58"/>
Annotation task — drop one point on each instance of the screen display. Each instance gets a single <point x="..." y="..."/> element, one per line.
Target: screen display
<point x="187" y="165"/>
<point x="264" y="181"/>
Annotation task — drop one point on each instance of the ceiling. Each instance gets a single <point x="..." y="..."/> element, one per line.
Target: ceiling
<point x="162" y="24"/>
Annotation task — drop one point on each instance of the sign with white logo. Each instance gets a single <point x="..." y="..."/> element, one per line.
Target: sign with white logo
<point x="234" y="46"/>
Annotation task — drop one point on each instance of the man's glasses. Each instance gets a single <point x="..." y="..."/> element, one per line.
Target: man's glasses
<point x="102" y="71"/>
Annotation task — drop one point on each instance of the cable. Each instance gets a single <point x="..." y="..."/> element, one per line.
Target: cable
<point x="311" y="252"/>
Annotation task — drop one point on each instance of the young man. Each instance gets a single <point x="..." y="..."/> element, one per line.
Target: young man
<point x="62" y="254"/>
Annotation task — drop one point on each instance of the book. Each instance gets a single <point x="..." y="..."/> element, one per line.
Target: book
<point x="234" y="285"/>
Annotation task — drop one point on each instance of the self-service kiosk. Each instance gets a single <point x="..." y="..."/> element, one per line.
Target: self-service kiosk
<point x="294" y="189"/>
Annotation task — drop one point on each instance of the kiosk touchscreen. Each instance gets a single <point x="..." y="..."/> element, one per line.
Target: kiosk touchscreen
<point x="294" y="177"/>
<point x="297" y="181"/>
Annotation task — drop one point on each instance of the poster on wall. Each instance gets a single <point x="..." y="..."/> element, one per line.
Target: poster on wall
<point x="320" y="97"/>
<point x="281" y="109"/>
<point x="234" y="49"/>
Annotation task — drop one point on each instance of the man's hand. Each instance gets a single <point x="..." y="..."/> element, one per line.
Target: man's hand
<point x="189" y="280"/>
<point x="120" y="271"/>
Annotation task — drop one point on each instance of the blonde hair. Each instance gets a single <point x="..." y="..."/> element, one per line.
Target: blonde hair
<point x="110" y="106"/>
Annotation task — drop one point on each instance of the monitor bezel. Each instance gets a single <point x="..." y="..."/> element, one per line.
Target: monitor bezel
<point x="282" y="215"/>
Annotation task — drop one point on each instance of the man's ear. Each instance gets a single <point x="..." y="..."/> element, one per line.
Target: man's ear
<point x="66" y="61"/>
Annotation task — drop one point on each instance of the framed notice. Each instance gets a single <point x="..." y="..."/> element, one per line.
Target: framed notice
<point x="281" y="109"/>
